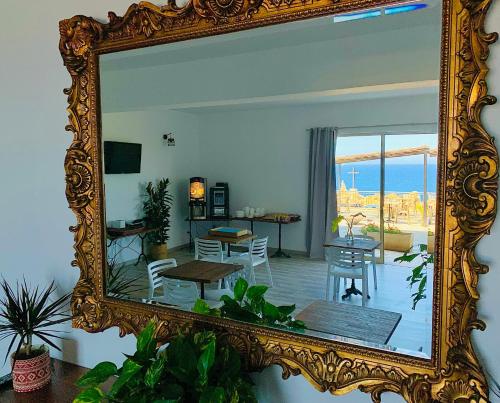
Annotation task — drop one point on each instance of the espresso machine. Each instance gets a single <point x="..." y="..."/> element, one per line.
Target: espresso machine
<point x="219" y="200"/>
<point x="197" y="198"/>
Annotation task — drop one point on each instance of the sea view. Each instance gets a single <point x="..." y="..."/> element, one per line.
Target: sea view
<point x="398" y="177"/>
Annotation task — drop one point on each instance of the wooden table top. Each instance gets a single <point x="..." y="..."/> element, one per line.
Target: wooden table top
<point x="367" y="245"/>
<point x="115" y="233"/>
<point x="61" y="389"/>
<point x="228" y="239"/>
<point x="201" y="271"/>
<point x="353" y="321"/>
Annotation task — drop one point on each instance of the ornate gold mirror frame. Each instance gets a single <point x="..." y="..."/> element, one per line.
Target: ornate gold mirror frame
<point x="467" y="191"/>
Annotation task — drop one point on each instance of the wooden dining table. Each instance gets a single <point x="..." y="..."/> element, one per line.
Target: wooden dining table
<point x="202" y="272"/>
<point x="228" y="240"/>
<point x="353" y="321"/>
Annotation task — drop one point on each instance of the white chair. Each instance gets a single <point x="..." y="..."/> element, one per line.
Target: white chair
<point x="349" y="264"/>
<point x="155" y="280"/>
<point x="175" y="292"/>
<point x="209" y="250"/>
<point x="179" y="292"/>
<point x="371" y="257"/>
<point x="256" y="255"/>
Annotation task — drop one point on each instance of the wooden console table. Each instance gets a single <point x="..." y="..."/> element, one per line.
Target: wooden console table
<point x="61" y="389"/>
<point x="278" y="253"/>
<point x="118" y="233"/>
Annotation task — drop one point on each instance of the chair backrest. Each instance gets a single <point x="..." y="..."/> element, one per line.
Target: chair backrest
<point x="155" y="280"/>
<point x="346" y="258"/>
<point x="259" y="247"/>
<point x="208" y="248"/>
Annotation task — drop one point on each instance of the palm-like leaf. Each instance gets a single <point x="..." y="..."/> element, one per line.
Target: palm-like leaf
<point x="26" y="312"/>
<point x="157" y="210"/>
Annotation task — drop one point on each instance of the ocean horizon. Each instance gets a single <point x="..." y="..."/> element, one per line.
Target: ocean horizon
<point x="398" y="177"/>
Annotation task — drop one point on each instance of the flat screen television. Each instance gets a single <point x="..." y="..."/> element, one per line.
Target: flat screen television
<point x="122" y="158"/>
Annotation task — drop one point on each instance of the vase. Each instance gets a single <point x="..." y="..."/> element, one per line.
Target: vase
<point x="32" y="373"/>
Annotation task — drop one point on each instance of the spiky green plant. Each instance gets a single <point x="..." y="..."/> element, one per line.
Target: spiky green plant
<point x="157" y="210"/>
<point x="28" y="311"/>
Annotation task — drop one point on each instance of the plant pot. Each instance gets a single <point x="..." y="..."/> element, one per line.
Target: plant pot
<point x="158" y="251"/>
<point x="396" y="242"/>
<point x="32" y="373"/>
<point x="430" y="243"/>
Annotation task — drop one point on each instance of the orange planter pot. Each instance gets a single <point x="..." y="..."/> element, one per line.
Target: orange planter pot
<point x="31" y="374"/>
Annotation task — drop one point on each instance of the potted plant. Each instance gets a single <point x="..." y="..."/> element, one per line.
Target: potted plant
<point x="394" y="238"/>
<point x="157" y="213"/>
<point x="194" y="367"/>
<point x="26" y="312"/>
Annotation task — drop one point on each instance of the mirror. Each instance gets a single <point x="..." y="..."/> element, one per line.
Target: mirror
<point x="238" y="152"/>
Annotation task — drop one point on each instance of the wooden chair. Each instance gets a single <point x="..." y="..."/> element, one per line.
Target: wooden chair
<point x="349" y="264"/>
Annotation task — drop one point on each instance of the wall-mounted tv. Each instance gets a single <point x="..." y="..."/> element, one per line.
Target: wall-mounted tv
<point x="122" y="158"/>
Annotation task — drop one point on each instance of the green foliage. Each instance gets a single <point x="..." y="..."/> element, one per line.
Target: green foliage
<point x="375" y="228"/>
<point x="418" y="277"/>
<point x="120" y="284"/>
<point x="336" y="222"/>
<point x="249" y="305"/>
<point x="192" y="368"/>
<point x="26" y="312"/>
<point x="157" y="210"/>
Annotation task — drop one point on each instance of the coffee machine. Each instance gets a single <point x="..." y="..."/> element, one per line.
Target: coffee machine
<point x="197" y="198"/>
<point x="219" y="200"/>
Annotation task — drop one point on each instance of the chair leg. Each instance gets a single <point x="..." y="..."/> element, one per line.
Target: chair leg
<point x="252" y="275"/>
<point x="374" y="264"/>
<point x="328" y="284"/>
<point x="268" y="267"/>
<point x="336" y="286"/>
<point x="365" y="290"/>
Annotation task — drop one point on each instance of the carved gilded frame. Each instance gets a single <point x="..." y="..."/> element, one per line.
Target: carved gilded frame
<point x="467" y="191"/>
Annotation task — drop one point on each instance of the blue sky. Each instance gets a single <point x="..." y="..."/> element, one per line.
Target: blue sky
<point x="366" y="144"/>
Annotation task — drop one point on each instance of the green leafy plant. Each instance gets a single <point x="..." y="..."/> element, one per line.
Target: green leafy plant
<point x="249" y="305"/>
<point x="418" y="277"/>
<point x="193" y="368"/>
<point x="119" y="283"/>
<point x="26" y="312"/>
<point x="157" y="210"/>
<point x="375" y="228"/>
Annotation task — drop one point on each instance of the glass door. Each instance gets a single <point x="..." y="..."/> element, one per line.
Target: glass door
<point x="358" y="176"/>
<point x="410" y="191"/>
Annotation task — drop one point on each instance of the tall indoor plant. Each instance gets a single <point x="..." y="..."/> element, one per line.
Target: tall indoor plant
<point x="26" y="312"/>
<point x="157" y="206"/>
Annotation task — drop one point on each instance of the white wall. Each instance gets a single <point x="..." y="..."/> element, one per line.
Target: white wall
<point x="35" y="240"/>
<point x="268" y="151"/>
<point x="125" y="192"/>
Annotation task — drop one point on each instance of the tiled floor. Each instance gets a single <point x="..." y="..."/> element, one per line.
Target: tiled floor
<point x="300" y="281"/>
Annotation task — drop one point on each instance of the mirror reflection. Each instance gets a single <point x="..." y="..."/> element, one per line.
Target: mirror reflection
<point x="284" y="176"/>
